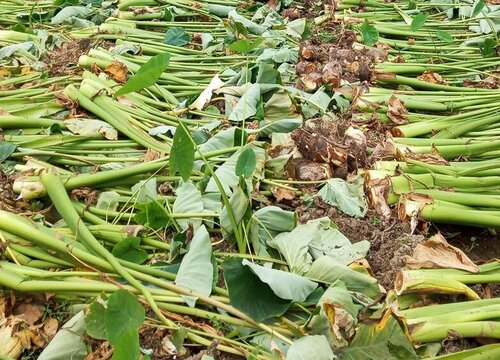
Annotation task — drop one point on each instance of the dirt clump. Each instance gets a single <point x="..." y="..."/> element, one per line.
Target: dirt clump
<point x="64" y="60"/>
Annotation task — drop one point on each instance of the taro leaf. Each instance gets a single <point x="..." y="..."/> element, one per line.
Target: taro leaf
<point x="108" y="200"/>
<point x="153" y="215"/>
<point x="244" y="46"/>
<point x="176" y="36"/>
<point x="182" y="154"/>
<point x="286" y="285"/>
<point x="94" y="324"/>
<point x="129" y="249"/>
<point x="317" y="103"/>
<point x="488" y="48"/>
<point x="226" y="172"/>
<point x="127" y="346"/>
<point x="246" y="163"/>
<point x="146" y="75"/>
<point x="294" y="247"/>
<point x="349" y="198"/>
<point x="9" y="50"/>
<point x="478" y="8"/>
<point x="6" y="149"/>
<point x="250" y="295"/>
<point x="69" y="13"/>
<point x="369" y="33"/>
<point x="91" y="127"/>
<point x="145" y="190"/>
<point x="268" y="222"/>
<point x="188" y="200"/>
<point x="310" y="347"/>
<point x="298" y="29"/>
<point x="124" y="314"/>
<point x="68" y="343"/>
<point x="327" y="270"/>
<point x="247" y="104"/>
<point x="238" y="203"/>
<point x="418" y="21"/>
<point x="196" y="271"/>
<point x="444" y="36"/>
<point x="267" y="74"/>
<point x="374" y="341"/>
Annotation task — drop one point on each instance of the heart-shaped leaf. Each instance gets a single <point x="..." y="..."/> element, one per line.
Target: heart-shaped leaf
<point x="246" y="163"/>
<point x="418" y="21"/>
<point x="182" y="154"/>
<point x="369" y="33"/>
<point x="176" y="36"/>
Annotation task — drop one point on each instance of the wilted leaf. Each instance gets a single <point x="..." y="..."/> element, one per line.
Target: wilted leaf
<point x="146" y="75"/>
<point x="247" y="104"/>
<point x="349" y="198"/>
<point x="145" y="190"/>
<point x="117" y="70"/>
<point x="6" y="149"/>
<point x="196" y="270"/>
<point x="436" y="253"/>
<point x="69" y="342"/>
<point x="396" y="111"/>
<point x="284" y="284"/>
<point x="204" y="98"/>
<point x="188" y="200"/>
<point x="249" y="294"/>
<point x="374" y="342"/>
<point x="310" y="347"/>
<point x="108" y="200"/>
<point x="67" y="14"/>
<point x="91" y="127"/>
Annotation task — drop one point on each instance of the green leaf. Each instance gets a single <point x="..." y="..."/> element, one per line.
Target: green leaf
<point x="196" y="270"/>
<point x="124" y="313"/>
<point x="238" y="203"/>
<point x="147" y="75"/>
<point x="246" y="163"/>
<point x="310" y="347"/>
<point x="247" y="104"/>
<point x="129" y="249"/>
<point x="153" y="215"/>
<point x="6" y="149"/>
<point x="91" y="127"/>
<point x="369" y="33"/>
<point x="182" y="154"/>
<point x="284" y="284"/>
<point x="249" y="294"/>
<point x="478" y="8"/>
<point x="127" y="346"/>
<point x="444" y="36"/>
<point x="488" y="48"/>
<point x="328" y="270"/>
<point x="69" y="13"/>
<point x="372" y="342"/>
<point x="188" y="200"/>
<point x="348" y="197"/>
<point x="176" y="36"/>
<point x="418" y="21"/>
<point x="94" y="324"/>
<point x="244" y="46"/>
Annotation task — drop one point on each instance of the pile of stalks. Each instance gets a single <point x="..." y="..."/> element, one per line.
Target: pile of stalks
<point x="73" y="195"/>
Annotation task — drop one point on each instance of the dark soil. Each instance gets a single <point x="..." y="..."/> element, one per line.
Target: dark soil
<point x="63" y="60"/>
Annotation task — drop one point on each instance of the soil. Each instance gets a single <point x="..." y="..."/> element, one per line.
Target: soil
<point x="63" y="60"/>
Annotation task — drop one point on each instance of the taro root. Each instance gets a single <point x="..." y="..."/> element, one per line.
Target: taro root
<point x="307" y="52"/>
<point x="317" y="147"/>
<point x="311" y="82"/>
<point x="332" y="74"/>
<point x="305" y="68"/>
<point x="306" y="170"/>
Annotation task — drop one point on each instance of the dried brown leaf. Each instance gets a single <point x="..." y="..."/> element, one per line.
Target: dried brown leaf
<point x="118" y="71"/>
<point x="397" y="111"/>
<point x="436" y="253"/>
